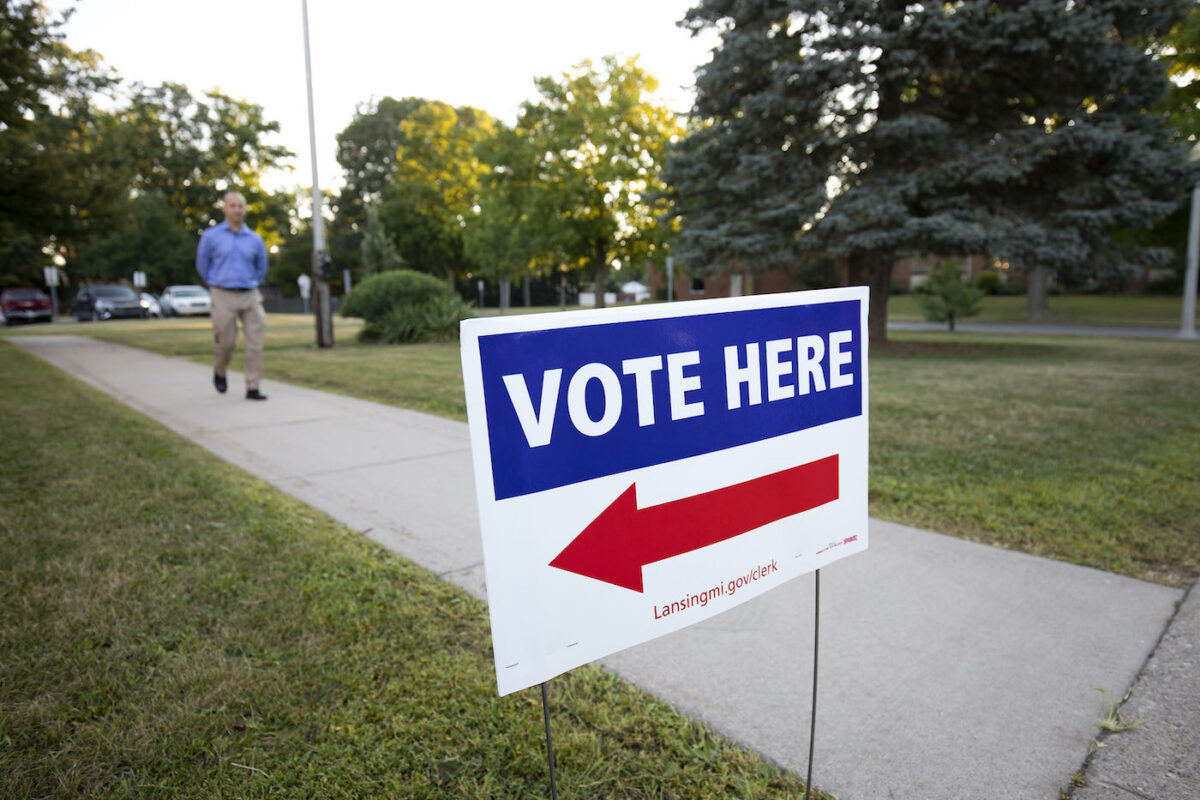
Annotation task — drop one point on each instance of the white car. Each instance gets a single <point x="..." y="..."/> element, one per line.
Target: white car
<point x="184" y="301"/>
<point x="151" y="304"/>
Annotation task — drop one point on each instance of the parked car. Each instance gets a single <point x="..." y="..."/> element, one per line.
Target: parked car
<point x="25" y="305"/>
<point x="107" y="302"/>
<point x="151" y="304"/>
<point x="184" y="300"/>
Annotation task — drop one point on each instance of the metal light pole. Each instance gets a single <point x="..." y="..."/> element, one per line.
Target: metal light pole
<point x="321" y="264"/>
<point x="1187" y="325"/>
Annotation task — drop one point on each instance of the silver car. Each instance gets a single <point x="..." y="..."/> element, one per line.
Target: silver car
<point x="150" y="303"/>
<point x="185" y="301"/>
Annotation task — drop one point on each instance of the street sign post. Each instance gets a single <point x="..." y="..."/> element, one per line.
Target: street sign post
<point x="305" y="284"/>
<point x="640" y="469"/>
<point x="51" y="277"/>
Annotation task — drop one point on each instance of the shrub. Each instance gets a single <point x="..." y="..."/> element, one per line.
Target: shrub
<point x="436" y="320"/>
<point x="403" y="306"/>
<point x="992" y="282"/>
<point x="988" y="281"/>
<point x="944" y="297"/>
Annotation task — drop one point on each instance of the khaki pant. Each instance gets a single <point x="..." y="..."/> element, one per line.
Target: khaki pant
<point x="227" y="307"/>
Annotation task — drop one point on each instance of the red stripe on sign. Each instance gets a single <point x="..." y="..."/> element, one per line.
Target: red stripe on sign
<point x="616" y="545"/>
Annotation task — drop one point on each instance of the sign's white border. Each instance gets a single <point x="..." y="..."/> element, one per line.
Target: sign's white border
<point x="546" y="621"/>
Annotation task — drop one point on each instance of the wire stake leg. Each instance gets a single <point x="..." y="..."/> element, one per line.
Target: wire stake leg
<point x="549" y="744"/>
<point x="812" y="731"/>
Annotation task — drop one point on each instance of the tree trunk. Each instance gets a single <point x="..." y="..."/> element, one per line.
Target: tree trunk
<point x="1035" y="297"/>
<point x="748" y="283"/>
<point x="600" y="271"/>
<point x="873" y="268"/>
<point x="525" y="287"/>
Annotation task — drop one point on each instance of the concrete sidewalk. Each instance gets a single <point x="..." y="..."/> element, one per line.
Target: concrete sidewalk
<point x="948" y="669"/>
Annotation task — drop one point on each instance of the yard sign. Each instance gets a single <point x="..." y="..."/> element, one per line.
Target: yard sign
<point x="642" y="468"/>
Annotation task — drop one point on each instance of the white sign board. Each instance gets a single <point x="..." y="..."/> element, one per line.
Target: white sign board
<point x="51" y="276"/>
<point x="305" y="284"/>
<point x="640" y="469"/>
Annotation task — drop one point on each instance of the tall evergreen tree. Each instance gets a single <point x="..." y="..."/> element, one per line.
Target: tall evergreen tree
<point x="873" y="129"/>
<point x="379" y="253"/>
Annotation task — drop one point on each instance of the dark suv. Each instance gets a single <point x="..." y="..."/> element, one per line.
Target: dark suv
<point x="107" y="302"/>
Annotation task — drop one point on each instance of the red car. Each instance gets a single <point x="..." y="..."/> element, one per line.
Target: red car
<point x="25" y="305"/>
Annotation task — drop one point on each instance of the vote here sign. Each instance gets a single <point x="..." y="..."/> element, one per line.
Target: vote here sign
<point x="639" y="469"/>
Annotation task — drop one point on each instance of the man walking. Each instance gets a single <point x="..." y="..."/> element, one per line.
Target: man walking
<point x="232" y="262"/>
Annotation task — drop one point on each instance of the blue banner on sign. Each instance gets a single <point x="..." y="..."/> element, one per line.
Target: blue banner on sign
<point x="570" y="404"/>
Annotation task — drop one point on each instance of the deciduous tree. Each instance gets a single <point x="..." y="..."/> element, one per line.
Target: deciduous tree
<point x="366" y="152"/>
<point x="435" y="186"/>
<point x="191" y="149"/>
<point x="598" y="137"/>
<point x="503" y="231"/>
<point x="54" y="184"/>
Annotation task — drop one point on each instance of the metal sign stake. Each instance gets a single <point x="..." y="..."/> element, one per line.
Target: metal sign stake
<point x="812" y="731"/>
<point x="549" y="743"/>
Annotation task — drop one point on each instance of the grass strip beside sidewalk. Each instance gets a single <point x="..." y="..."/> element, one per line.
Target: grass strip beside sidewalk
<point x="1077" y="448"/>
<point x="171" y="627"/>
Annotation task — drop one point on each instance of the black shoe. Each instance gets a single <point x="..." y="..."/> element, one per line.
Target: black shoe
<point x="219" y="382"/>
<point x="255" y="394"/>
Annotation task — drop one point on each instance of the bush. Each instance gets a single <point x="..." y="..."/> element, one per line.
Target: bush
<point x="403" y="306"/>
<point x="1163" y="283"/>
<point x="989" y="281"/>
<point x="992" y="282"/>
<point x="433" y="321"/>
<point x="944" y="297"/>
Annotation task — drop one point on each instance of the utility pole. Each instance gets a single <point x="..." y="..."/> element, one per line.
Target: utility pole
<point x="322" y="267"/>
<point x="1187" y="322"/>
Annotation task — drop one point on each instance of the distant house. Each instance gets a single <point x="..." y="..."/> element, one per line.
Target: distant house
<point x="588" y="299"/>
<point x="633" y="292"/>
<point x="908" y="274"/>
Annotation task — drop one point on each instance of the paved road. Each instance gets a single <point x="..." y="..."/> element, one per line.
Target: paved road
<point x="1010" y="328"/>
<point x="950" y="670"/>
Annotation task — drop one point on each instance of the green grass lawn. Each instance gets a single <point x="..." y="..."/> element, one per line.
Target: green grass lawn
<point x="1076" y="448"/>
<point x="192" y="336"/>
<point x="171" y="627"/>
<point x="1080" y="449"/>
<point x="1149" y="311"/>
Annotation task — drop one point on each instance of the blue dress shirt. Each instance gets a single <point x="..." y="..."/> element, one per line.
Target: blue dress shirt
<point x="231" y="260"/>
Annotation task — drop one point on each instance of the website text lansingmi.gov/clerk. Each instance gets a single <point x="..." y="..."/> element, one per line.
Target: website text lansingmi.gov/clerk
<point x="725" y="589"/>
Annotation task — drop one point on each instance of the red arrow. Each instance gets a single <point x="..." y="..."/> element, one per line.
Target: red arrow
<point x="624" y="538"/>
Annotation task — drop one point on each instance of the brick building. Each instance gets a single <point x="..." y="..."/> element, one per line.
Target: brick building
<point x="908" y="273"/>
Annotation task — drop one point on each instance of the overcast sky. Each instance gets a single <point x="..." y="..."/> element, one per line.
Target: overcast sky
<point x="483" y="53"/>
